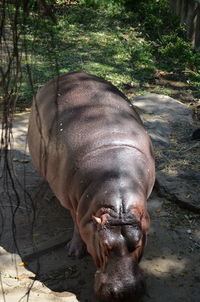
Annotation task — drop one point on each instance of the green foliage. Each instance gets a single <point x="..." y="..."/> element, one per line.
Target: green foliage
<point x="123" y="41"/>
<point x="89" y="40"/>
<point x="156" y="19"/>
<point x="178" y="52"/>
<point x="109" y="3"/>
<point x="143" y="61"/>
<point x="162" y="29"/>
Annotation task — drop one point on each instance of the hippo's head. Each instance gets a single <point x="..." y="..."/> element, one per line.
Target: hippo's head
<point x="117" y="246"/>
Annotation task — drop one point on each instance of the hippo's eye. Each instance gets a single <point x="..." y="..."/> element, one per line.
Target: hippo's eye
<point x="132" y="235"/>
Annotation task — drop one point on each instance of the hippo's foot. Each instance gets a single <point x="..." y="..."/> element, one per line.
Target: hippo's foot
<point x="76" y="247"/>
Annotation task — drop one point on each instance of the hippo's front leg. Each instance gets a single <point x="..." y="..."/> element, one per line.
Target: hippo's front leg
<point x="76" y="246"/>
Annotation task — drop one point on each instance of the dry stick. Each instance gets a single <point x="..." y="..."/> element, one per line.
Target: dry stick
<point x="192" y="147"/>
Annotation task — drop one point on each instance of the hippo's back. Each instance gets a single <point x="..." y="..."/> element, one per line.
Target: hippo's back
<point x="76" y="114"/>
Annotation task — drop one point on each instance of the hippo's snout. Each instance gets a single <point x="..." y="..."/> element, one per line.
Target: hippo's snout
<point x="119" y="284"/>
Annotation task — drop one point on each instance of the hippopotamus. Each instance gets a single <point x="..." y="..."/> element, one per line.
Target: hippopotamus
<point x="88" y="142"/>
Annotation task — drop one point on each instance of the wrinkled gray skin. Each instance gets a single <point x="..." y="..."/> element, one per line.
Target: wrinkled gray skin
<point x="90" y="145"/>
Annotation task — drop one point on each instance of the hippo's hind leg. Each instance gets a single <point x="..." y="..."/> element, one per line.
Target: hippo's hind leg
<point x="76" y="247"/>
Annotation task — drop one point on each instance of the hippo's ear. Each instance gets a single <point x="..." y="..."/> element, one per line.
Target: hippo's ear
<point x="145" y="221"/>
<point x="100" y="220"/>
<point x="96" y="220"/>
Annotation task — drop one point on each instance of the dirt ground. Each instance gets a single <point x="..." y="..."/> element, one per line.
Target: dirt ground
<point x="34" y="229"/>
